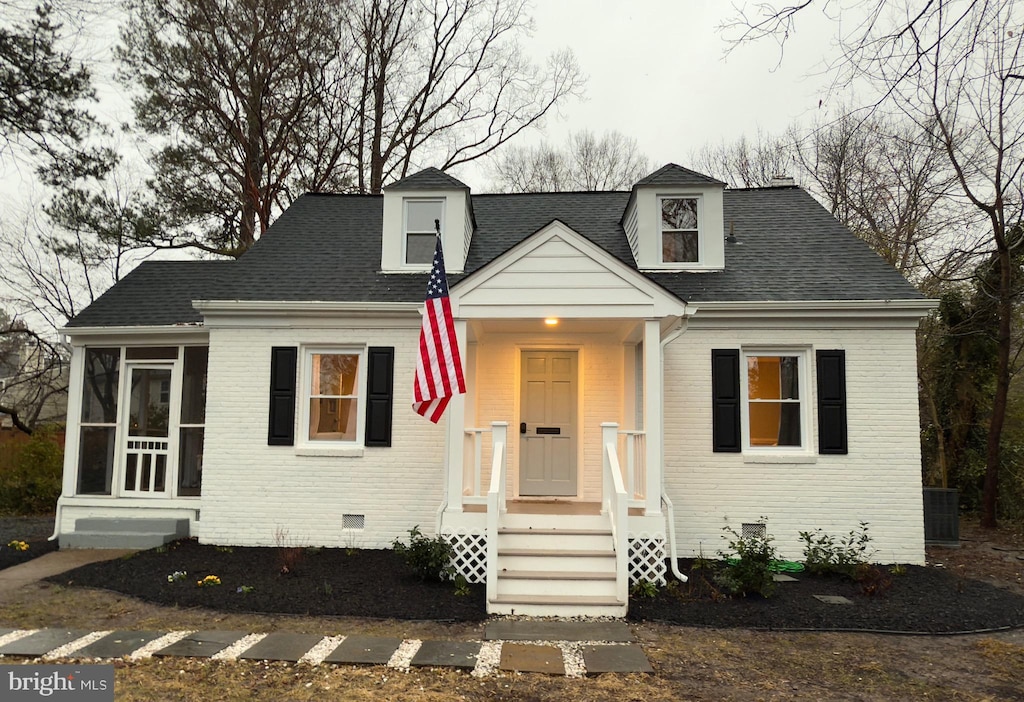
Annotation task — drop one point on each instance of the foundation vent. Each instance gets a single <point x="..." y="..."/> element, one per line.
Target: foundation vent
<point x="353" y="521"/>
<point x="754" y="530"/>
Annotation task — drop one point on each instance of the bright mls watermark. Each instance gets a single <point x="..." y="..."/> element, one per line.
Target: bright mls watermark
<point x="82" y="683"/>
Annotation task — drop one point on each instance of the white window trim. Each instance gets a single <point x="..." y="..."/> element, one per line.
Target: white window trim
<point x="701" y="257"/>
<point x="759" y="453"/>
<point x="304" y="446"/>
<point x="405" y="231"/>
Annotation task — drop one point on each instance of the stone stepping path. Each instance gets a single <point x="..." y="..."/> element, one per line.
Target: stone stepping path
<point x="552" y="648"/>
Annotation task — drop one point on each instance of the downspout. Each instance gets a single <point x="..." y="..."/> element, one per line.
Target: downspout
<point x="670" y="514"/>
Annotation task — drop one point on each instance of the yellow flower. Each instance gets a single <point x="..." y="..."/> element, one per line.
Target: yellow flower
<point x="18" y="545"/>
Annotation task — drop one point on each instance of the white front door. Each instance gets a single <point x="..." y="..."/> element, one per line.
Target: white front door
<point x="146" y="448"/>
<point x="547" y="429"/>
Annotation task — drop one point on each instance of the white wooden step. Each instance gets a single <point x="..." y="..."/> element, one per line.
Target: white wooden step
<point x="578" y="539"/>
<point x="556" y="560"/>
<point x="558" y="606"/>
<point x="554" y="521"/>
<point x="555" y="583"/>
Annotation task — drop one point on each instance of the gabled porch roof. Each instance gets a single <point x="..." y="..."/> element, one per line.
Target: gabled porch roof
<point x="556" y="272"/>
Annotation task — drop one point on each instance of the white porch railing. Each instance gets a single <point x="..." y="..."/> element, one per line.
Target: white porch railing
<point x="615" y="504"/>
<point x="472" y="466"/>
<point x="632" y="448"/>
<point x="496" y="501"/>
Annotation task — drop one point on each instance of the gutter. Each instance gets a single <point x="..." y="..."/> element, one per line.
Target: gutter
<point x="670" y="514"/>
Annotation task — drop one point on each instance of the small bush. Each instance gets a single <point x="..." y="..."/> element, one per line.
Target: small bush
<point x="873" y="580"/>
<point x="748" y="564"/>
<point x="825" y="554"/>
<point x="429" y="558"/>
<point x="32" y="483"/>
<point x="644" y="588"/>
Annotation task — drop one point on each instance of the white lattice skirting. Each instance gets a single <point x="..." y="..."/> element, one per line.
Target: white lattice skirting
<point x="470" y="559"/>
<point x="647" y="558"/>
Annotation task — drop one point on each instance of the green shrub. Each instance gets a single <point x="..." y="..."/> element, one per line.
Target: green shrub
<point x="825" y="554"/>
<point x="31" y="483"/>
<point x="748" y="568"/>
<point x="429" y="558"/>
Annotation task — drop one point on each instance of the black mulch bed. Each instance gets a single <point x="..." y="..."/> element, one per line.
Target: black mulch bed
<point x="921" y="600"/>
<point x="320" y="582"/>
<point x="33" y="531"/>
<point x="369" y="583"/>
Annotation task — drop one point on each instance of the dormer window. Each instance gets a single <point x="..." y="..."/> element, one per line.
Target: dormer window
<point x="420" y="232"/>
<point x="680" y="229"/>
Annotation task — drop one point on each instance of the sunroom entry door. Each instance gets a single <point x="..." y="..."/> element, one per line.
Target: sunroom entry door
<point x="547" y="429"/>
<point x="144" y="464"/>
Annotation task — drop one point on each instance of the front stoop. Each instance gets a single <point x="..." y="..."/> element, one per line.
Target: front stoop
<point x="139" y="533"/>
<point x="556" y="566"/>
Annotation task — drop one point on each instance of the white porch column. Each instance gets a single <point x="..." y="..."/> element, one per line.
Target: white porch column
<point x="455" y="440"/>
<point x="654" y="421"/>
<point x="69" y="482"/>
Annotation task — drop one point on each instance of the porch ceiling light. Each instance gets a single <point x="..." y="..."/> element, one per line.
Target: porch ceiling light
<point x="551" y="321"/>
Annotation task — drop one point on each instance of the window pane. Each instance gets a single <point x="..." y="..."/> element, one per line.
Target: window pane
<point x="774" y="424"/>
<point x="193" y="388"/>
<point x="419" y="248"/>
<point x="190" y="461"/>
<point x="420" y="215"/>
<point x="148" y="407"/>
<point x="679" y="247"/>
<point x="679" y="213"/>
<point x="99" y="394"/>
<point x="95" y="460"/>
<point x="773" y="378"/>
<point x="335" y="373"/>
<point x="332" y="420"/>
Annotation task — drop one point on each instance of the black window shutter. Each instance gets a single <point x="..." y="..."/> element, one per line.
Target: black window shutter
<point x="380" y="372"/>
<point x="832" y="402"/>
<point x="725" y="389"/>
<point x="281" y="429"/>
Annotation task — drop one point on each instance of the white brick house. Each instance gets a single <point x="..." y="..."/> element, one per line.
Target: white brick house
<point x="643" y="369"/>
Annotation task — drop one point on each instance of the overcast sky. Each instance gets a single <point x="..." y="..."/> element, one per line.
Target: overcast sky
<point x="657" y="71"/>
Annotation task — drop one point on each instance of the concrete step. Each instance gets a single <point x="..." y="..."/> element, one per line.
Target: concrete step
<point x="557" y="606"/>
<point x="178" y="527"/>
<point x="115" y="539"/>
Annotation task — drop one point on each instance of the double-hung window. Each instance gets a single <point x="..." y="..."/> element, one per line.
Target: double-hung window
<point x="680" y="229"/>
<point x="334" y="411"/>
<point x="420" y="229"/>
<point x="773" y="400"/>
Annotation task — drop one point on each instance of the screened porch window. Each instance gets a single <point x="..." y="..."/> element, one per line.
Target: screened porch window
<point x="774" y="406"/>
<point x="97" y="446"/>
<point x="333" y="395"/>
<point x="193" y="421"/>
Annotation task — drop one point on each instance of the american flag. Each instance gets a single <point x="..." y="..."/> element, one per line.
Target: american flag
<point x="438" y="365"/>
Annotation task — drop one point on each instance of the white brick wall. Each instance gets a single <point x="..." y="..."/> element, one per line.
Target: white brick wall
<point x="255" y="494"/>
<point x="879" y="481"/>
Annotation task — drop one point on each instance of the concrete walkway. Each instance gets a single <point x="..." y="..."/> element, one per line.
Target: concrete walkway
<point x="567" y="656"/>
<point x="571" y="648"/>
<point x="51" y="564"/>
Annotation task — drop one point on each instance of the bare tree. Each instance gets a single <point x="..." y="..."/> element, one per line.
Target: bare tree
<point x="748" y="163"/>
<point x="446" y="81"/>
<point x="33" y="376"/>
<point x="956" y="69"/>
<point x="610" y="162"/>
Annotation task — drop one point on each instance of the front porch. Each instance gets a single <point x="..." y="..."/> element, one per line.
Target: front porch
<point x="555" y="556"/>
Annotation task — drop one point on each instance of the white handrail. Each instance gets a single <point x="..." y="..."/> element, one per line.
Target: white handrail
<point x="496" y="501"/>
<point x="477" y="457"/>
<point x="616" y="506"/>
<point x="635" y="455"/>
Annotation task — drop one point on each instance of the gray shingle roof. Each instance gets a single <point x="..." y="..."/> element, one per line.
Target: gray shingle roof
<point x="428" y="179"/>
<point x="157" y="293"/>
<point x="327" y="248"/>
<point x="671" y="174"/>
